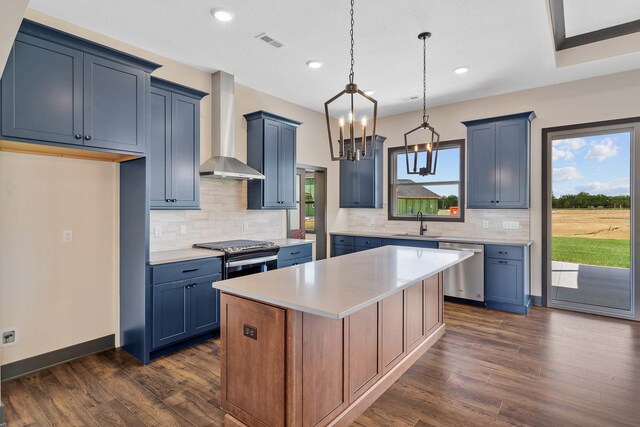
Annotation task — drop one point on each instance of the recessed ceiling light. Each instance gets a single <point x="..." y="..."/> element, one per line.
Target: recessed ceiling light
<point x="369" y="92"/>
<point x="222" y="15"/>
<point x="461" y="70"/>
<point x="314" y="63"/>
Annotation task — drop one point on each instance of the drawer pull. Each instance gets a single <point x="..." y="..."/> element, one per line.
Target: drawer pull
<point x="295" y="253"/>
<point x="503" y="252"/>
<point x="190" y="270"/>
<point x="503" y="262"/>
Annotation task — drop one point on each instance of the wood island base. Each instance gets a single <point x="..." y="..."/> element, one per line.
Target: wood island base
<point x="283" y="367"/>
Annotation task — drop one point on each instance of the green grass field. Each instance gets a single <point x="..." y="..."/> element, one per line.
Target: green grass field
<point x="606" y="252"/>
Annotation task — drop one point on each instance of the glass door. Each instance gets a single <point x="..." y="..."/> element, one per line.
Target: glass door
<point x="591" y="227"/>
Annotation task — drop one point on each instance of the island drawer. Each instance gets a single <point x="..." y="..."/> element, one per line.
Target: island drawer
<point x="292" y="252"/>
<point x="368" y="242"/>
<point x="185" y="270"/>
<point x="342" y="240"/>
<point x="504" y="252"/>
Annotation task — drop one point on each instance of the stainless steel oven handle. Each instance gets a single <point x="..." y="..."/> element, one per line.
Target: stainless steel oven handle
<point x="251" y="261"/>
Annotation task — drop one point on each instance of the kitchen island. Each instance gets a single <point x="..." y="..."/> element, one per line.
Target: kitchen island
<point x="316" y="344"/>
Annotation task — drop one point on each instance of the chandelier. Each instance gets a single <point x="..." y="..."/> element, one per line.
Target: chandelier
<point x="432" y="140"/>
<point x="350" y="149"/>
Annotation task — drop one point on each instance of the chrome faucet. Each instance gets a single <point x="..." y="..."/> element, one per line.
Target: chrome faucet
<point x="423" y="227"/>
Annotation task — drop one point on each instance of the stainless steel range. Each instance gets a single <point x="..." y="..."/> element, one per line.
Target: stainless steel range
<point x="244" y="257"/>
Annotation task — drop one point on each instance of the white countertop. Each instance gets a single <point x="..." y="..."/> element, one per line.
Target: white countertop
<point x="283" y="243"/>
<point x="434" y="238"/>
<point x="338" y="287"/>
<point x="165" y="257"/>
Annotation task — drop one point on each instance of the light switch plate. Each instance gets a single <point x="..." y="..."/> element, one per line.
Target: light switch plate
<point x="485" y="224"/>
<point x="157" y="231"/>
<point x="182" y="230"/>
<point x="511" y="225"/>
<point x="67" y="236"/>
<point x="246" y="226"/>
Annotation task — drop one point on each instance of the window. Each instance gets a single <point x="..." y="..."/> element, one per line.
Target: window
<point x="439" y="197"/>
<point x="310" y="202"/>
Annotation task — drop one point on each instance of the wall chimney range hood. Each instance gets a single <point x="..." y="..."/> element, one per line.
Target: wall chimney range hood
<point x="223" y="164"/>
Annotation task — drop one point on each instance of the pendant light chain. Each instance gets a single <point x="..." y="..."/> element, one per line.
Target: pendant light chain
<point x="351" y="74"/>
<point x="424" y="80"/>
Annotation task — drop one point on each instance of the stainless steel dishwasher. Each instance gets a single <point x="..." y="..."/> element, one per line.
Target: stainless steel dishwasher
<point x="465" y="280"/>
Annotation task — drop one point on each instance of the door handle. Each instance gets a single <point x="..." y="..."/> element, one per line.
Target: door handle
<point x="87" y="137"/>
<point x="78" y="136"/>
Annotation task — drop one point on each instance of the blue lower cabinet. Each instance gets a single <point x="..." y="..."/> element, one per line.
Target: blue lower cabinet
<point x="295" y="255"/>
<point x="205" y="306"/>
<point x="171" y="307"/>
<point x="364" y="243"/>
<point x="184" y="309"/>
<point x="411" y="243"/>
<point x="338" y="250"/>
<point x="290" y="262"/>
<point x="506" y="284"/>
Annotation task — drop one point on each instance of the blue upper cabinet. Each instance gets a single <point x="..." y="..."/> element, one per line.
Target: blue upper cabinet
<point x="361" y="181"/>
<point x="59" y="89"/>
<point x="271" y="150"/>
<point x="174" y="154"/>
<point x="43" y="102"/>
<point x="113" y="105"/>
<point x="498" y="162"/>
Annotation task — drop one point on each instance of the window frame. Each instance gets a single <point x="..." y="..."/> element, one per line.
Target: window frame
<point x="391" y="184"/>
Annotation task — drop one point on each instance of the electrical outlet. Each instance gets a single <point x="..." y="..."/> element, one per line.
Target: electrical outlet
<point x="182" y="229"/>
<point x="511" y="225"/>
<point x="485" y="224"/>
<point x="67" y="236"/>
<point x="157" y="231"/>
<point x="9" y="337"/>
<point x="246" y="226"/>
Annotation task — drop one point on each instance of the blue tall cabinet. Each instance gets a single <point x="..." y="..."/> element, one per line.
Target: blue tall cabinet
<point x="498" y="152"/>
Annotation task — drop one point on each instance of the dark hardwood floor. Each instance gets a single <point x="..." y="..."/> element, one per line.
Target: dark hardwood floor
<point x="550" y="368"/>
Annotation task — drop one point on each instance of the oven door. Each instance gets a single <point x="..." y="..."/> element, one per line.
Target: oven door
<point x="245" y="267"/>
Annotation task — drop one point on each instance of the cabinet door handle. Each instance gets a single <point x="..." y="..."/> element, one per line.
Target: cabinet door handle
<point x="503" y="262"/>
<point x="493" y="201"/>
<point x="167" y="200"/>
<point x="190" y="270"/>
<point x="78" y="136"/>
<point x="497" y="201"/>
<point x="87" y="137"/>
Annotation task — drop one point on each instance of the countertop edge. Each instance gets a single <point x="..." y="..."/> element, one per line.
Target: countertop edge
<point x="206" y="253"/>
<point x="458" y="239"/>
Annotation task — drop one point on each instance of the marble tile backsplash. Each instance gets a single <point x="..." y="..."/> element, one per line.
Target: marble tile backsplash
<point x="376" y="220"/>
<point x="222" y="216"/>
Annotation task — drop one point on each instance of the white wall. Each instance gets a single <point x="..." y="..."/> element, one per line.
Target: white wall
<point x="603" y="98"/>
<point x="57" y="294"/>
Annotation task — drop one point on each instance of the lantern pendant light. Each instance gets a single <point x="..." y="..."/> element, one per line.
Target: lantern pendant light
<point x="351" y="149"/>
<point x="432" y="138"/>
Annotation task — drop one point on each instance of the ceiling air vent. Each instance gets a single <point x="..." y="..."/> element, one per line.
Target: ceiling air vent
<point x="409" y="98"/>
<point x="269" y="40"/>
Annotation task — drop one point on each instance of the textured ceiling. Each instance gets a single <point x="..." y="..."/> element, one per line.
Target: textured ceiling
<point x="506" y="43"/>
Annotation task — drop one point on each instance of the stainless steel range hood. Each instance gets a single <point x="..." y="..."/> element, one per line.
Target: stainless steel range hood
<point x="222" y="163"/>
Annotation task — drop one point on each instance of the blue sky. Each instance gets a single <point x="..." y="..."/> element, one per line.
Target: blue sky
<point x="594" y="164"/>
<point x="448" y="169"/>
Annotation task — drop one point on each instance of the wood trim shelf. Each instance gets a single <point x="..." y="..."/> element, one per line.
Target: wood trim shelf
<point x="71" y="153"/>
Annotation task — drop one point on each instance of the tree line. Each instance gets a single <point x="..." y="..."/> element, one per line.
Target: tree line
<point x="585" y="200"/>
<point x="445" y="202"/>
